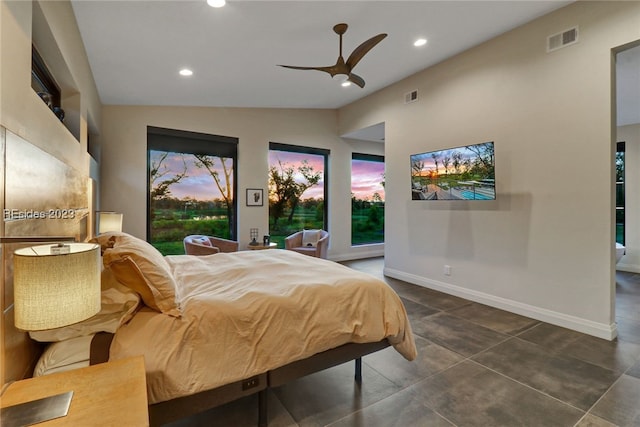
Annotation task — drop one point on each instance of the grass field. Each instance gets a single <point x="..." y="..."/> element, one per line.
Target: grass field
<point x="171" y="226"/>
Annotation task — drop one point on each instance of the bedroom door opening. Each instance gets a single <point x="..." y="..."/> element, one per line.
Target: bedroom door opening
<point x="626" y="172"/>
<point x="191" y="187"/>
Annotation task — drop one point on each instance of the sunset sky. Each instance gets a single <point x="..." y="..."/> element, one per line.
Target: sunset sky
<point x="429" y="163"/>
<point x="199" y="185"/>
<point x="366" y="179"/>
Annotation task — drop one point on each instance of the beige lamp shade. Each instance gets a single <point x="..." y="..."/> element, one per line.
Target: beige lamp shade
<point x="109" y="221"/>
<point x="51" y="290"/>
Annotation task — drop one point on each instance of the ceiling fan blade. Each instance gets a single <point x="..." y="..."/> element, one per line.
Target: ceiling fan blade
<point x="356" y="79"/>
<point x="293" y="67"/>
<point x="362" y="50"/>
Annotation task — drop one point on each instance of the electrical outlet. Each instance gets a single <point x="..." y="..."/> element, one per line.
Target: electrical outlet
<point x="250" y="383"/>
<point x="447" y="270"/>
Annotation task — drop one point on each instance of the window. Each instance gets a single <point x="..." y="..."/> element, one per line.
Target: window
<point x="367" y="199"/>
<point x="191" y="187"/>
<point x="297" y="190"/>
<point x="43" y="83"/>
<point x="620" y="199"/>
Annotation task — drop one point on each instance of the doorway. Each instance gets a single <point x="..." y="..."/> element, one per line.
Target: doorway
<point x="627" y="174"/>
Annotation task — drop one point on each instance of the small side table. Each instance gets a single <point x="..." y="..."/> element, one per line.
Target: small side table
<point x="271" y="245"/>
<point x="107" y="394"/>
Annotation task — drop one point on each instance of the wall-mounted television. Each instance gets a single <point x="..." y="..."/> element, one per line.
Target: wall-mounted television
<point x="460" y="173"/>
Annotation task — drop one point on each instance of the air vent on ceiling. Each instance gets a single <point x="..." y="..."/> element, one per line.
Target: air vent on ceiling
<point x="562" y="39"/>
<point x="410" y="97"/>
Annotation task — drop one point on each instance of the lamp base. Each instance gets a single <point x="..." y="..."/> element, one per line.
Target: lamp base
<point x="36" y="411"/>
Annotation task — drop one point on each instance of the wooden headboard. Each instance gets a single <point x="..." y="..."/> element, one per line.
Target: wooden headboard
<point x="41" y="196"/>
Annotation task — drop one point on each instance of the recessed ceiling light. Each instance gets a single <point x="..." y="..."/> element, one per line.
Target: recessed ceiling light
<point x="346" y="84"/>
<point x="216" y="3"/>
<point x="185" y="72"/>
<point x="420" y="42"/>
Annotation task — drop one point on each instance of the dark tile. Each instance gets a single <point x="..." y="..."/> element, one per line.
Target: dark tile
<point x="431" y="359"/>
<point x="621" y="404"/>
<point x="324" y="397"/>
<point x="457" y="334"/>
<point x="429" y="297"/>
<point x="550" y="336"/>
<point x="400" y="286"/>
<point x="590" y="420"/>
<point x="416" y="311"/>
<point x="627" y="283"/>
<point x="471" y="395"/>
<point x="628" y="330"/>
<point x="239" y="413"/>
<point x="634" y="371"/>
<point x="628" y="307"/>
<point x="617" y="355"/>
<point x="403" y="409"/>
<point x="566" y="378"/>
<point x="627" y="296"/>
<point x="494" y="318"/>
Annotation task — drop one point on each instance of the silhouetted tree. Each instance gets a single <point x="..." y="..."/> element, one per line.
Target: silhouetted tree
<point x="160" y="188"/>
<point x="226" y="187"/>
<point x="285" y="191"/>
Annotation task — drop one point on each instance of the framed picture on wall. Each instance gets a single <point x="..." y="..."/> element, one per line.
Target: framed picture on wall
<point x="254" y="197"/>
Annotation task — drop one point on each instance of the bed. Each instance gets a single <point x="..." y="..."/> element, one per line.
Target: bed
<point x="262" y="317"/>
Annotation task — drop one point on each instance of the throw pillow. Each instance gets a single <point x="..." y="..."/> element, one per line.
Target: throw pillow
<point x="310" y="238"/>
<point x="142" y="268"/>
<point x="202" y="240"/>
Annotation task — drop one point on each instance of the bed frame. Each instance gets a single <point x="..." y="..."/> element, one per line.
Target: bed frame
<point x="171" y="410"/>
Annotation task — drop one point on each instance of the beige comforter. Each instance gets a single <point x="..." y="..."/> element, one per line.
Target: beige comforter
<point x="245" y="313"/>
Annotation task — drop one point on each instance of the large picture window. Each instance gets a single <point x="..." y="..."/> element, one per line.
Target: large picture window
<point x="297" y="190"/>
<point x="191" y="187"/>
<point x="367" y="199"/>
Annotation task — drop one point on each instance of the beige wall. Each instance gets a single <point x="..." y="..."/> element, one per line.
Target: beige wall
<point x="631" y="135"/>
<point x="28" y="126"/>
<point x="124" y="167"/>
<point x="21" y="110"/>
<point x="544" y="247"/>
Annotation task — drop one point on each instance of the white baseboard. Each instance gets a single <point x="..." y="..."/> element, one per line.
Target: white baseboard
<point x="369" y="253"/>
<point x="600" y="330"/>
<point x="631" y="268"/>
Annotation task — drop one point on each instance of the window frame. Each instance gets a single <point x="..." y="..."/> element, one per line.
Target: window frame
<point x="276" y="146"/>
<point x="180" y="141"/>
<point x="370" y="158"/>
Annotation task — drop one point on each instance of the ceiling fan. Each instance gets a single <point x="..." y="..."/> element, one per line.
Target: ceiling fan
<point x="342" y="70"/>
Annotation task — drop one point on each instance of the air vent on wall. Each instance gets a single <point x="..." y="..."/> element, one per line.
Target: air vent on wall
<point x="562" y="39"/>
<point x="410" y="97"/>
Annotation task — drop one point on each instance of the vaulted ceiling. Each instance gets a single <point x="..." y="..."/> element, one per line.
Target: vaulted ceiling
<point x="136" y="48"/>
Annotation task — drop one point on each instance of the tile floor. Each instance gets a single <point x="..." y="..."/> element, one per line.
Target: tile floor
<point x="477" y="366"/>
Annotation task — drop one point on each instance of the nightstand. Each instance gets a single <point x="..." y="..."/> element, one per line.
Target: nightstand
<point x="107" y="394"/>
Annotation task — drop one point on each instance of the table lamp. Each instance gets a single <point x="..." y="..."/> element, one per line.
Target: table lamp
<point x="253" y="234"/>
<point x="54" y="286"/>
<point x="109" y="221"/>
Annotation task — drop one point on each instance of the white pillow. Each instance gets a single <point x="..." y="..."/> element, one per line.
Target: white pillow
<point x="202" y="240"/>
<point x="310" y="238"/>
<point x="64" y="355"/>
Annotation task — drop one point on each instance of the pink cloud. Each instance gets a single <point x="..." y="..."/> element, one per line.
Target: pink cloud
<point x="295" y="160"/>
<point x="366" y="179"/>
<point x="198" y="183"/>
